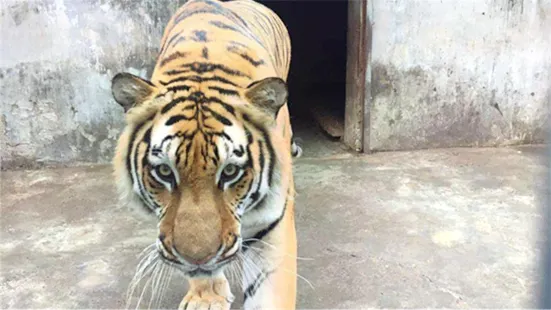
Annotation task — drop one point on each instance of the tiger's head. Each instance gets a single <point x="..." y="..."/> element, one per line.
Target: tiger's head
<point x="207" y="166"/>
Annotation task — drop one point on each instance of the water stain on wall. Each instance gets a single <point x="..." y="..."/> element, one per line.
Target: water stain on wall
<point x="410" y="110"/>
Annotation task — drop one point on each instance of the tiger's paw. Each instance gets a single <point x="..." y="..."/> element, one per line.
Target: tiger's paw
<point x="208" y="294"/>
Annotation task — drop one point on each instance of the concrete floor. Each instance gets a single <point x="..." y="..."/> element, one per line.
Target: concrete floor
<point x="455" y="228"/>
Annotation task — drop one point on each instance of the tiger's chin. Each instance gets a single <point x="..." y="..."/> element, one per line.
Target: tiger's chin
<point x="203" y="271"/>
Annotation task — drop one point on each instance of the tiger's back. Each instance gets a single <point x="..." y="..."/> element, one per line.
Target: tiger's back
<point x="242" y="27"/>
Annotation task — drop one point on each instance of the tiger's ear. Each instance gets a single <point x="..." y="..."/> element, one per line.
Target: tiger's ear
<point x="269" y="94"/>
<point x="129" y="90"/>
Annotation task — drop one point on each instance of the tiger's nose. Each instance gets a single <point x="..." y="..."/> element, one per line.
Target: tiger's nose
<point x="170" y="252"/>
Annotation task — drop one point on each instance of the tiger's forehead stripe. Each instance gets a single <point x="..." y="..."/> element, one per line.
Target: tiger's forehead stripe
<point x="205" y="67"/>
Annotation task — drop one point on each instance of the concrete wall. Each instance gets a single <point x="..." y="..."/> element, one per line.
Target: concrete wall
<point x="443" y="73"/>
<point x="459" y="72"/>
<point x="57" y="59"/>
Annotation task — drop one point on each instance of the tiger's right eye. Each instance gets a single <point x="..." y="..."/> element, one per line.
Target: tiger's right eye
<point x="163" y="173"/>
<point x="164" y="170"/>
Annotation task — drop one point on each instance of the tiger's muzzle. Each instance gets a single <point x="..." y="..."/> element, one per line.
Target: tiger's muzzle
<point x="206" y="265"/>
<point x="199" y="235"/>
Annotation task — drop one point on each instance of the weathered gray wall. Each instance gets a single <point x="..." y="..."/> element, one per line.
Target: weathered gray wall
<point x="459" y="72"/>
<point x="57" y="59"/>
<point x="444" y="73"/>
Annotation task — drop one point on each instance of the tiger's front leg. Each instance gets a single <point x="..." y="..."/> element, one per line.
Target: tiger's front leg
<point x="208" y="294"/>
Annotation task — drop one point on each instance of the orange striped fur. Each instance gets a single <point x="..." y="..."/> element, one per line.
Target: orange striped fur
<point x="208" y="148"/>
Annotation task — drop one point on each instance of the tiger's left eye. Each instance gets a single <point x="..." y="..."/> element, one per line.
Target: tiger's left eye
<point x="229" y="175"/>
<point x="230" y="171"/>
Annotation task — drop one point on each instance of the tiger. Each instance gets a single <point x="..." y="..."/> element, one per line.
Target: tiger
<point x="207" y="151"/>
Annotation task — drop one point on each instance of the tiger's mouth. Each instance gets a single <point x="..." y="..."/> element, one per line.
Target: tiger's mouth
<point x="209" y="267"/>
<point x="201" y="271"/>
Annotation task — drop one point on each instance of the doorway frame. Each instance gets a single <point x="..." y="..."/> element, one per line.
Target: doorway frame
<point x="358" y="77"/>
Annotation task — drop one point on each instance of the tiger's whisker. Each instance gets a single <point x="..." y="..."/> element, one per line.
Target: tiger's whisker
<point x="145" y="286"/>
<point x="273" y="247"/>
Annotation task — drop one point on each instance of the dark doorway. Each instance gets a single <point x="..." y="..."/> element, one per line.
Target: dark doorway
<point x="317" y="78"/>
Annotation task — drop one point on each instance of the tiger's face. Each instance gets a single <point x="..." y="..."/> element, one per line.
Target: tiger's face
<point x="198" y="163"/>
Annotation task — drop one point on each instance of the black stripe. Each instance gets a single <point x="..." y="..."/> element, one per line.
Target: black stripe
<point x="180" y="39"/>
<point x="132" y="156"/>
<point x="143" y="193"/>
<point x="223" y="25"/>
<point x="205" y="126"/>
<point x="173" y="103"/>
<point x="157" y="188"/>
<point x="218" y="117"/>
<point x="264" y="232"/>
<point x="224" y="91"/>
<point x="186" y="135"/>
<point x="147" y="137"/>
<point x="254" y="12"/>
<point x="255" y="285"/>
<point x="131" y="145"/>
<point x="238" y="44"/>
<point x="178" y="88"/>
<point x="191" y="12"/>
<point x="214" y="4"/>
<point x="147" y="140"/>
<point x="242" y="54"/>
<point x="176" y="72"/>
<point x="226" y="106"/>
<point x="262" y="161"/>
<point x="178" y="153"/>
<point x="205" y="52"/>
<point x="261" y="234"/>
<point x="268" y="145"/>
<point x="197" y="97"/>
<point x="173" y="56"/>
<point x="249" y="136"/>
<point x="215" y="151"/>
<point x="200" y="36"/>
<point x="239" y="152"/>
<point x="236" y="217"/>
<point x="216" y="9"/>
<point x="249" y="154"/>
<point x="156" y="152"/>
<point x="227" y="12"/>
<point x="225" y="135"/>
<point x="239" y="18"/>
<point x="253" y="62"/>
<point x="199" y="79"/>
<point x="167" y="43"/>
<point x="188" y="149"/>
<point x="202" y="67"/>
<point x="177" y="118"/>
<point x="272" y="156"/>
